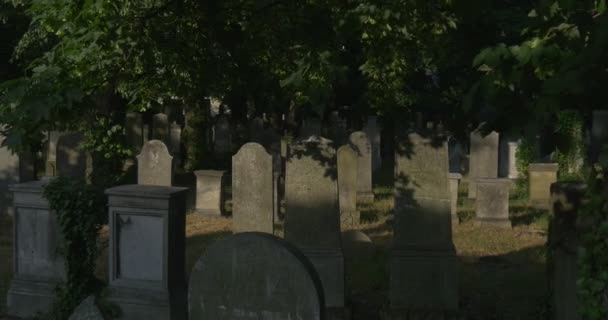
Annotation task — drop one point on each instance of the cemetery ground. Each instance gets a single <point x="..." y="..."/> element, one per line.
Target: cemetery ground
<point x="501" y="271"/>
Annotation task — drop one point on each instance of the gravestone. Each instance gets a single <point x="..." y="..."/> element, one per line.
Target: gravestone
<point x="71" y="158"/>
<point x="454" y="181"/>
<point x="51" y="156"/>
<point x="312" y="217"/>
<point x="492" y="204"/>
<point x="256" y="130"/>
<point x="155" y="165"/>
<point x="483" y="159"/>
<point x="134" y="130"/>
<point x="9" y="174"/>
<point x="373" y="133"/>
<point x="37" y="268"/>
<point x="541" y="176"/>
<point x="347" y="187"/>
<point x="209" y="192"/>
<point x="360" y="143"/>
<point x="146" y="252"/>
<point x="254" y="276"/>
<point x="513" y="173"/>
<point x="176" y="140"/>
<point x="252" y="190"/>
<point x="456" y="154"/>
<point x="87" y="310"/>
<point x="160" y="128"/>
<point x="563" y="241"/>
<point x="222" y="136"/>
<point x="423" y="265"/>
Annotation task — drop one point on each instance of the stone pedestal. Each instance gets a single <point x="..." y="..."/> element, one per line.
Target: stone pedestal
<point x="37" y="265"/>
<point x="454" y="181"/>
<point x="147" y="251"/>
<point x="209" y="195"/>
<point x="483" y="159"/>
<point x="513" y="173"/>
<point x="492" y="205"/>
<point x="566" y="199"/>
<point x="541" y="176"/>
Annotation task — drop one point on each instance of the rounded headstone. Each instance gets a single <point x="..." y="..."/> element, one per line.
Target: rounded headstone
<point x="254" y="275"/>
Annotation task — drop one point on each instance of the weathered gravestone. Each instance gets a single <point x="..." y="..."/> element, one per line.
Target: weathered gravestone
<point x="155" y="164"/>
<point x="483" y="159"/>
<point x="423" y="265"/>
<point x="563" y="242"/>
<point x="222" y="136"/>
<point x="254" y="276"/>
<point x="160" y="128"/>
<point x="134" y="130"/>
<point x="492" y="205"/>
<point x="175" y="138"/>
<point x="87" y="310"/>
<point x="360" y="143"/>
<point x="454" y="181"/>
<point x="71" y="158"/>
<point x="347" y="187"/>
<point x="312" y="217"/>
<point x="513" y="173"/>
<point x="146" y="253"/>
<point x="456" y="153"/>
<point x="373" y="133"/>
<point x="252" y="189"/>
<point x="209" y="192"/>
<point x="541" y="176"/>
<point x="37" y="266"/>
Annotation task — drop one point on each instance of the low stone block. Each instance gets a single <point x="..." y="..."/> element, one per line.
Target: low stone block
<point x="541" y="176"/>
<point x="209" y="195"/>
<point x="492" y="205"/>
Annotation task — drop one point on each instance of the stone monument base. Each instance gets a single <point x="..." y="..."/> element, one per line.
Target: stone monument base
<point x="330" y="267"/>
<point x="423" y="280"/>
<point x="501" y="223"/>
<point x="27" y="297"/>
<point x="141" y="304"/>
<point x="365" y="197"/>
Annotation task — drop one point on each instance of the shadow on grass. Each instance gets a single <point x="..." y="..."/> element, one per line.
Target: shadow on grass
<point x="523" y="215"/>
<point x="196" y="245"/>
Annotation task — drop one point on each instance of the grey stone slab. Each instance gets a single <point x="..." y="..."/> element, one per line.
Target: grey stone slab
<point x="209" y="192"/>
<point x="252" y="190"/>
<point x="87" y="310"/>
<point x="37" y="265"/>
<point x="134" y="130"/>
<point x="513" y="172"/>
<point x="373" y="133"/>
<point x="71" y="158"/>
<point x="454" y="182"/>
<point x="483" y="159"/>
<point x="492" y="204"/>
<point x="147" y="251"/>
<point x="160" y="128"/>
<point x="155" y="164"/>
<point x="347" y="186"/>
<point x="222" y="135"/>
<point x="423" y="258"/>
<point x="254" y="276"/>
<point x="359" y="141"/>
<point x="312" y="221"/>
<point x="541" y="176"/>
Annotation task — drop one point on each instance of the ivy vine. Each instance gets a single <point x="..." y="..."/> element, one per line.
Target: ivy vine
<point x="527" y="152"/>
<point x="569" y="151"/>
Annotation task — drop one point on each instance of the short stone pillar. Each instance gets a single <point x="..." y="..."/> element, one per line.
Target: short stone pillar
<point x="209" y="195"/>
<point x="492" y="205"/>
<point x="37" y="265"/>
<point x="541" y="176"/>
<point x="566" y="199"/>
<point x="513" y="173"/>
<point x="454" y="181"/>
<point x="147" y="251"/>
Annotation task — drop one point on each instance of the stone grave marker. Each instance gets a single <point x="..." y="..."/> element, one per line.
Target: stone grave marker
<point x="312" y="217"/>
<point x="209" y="192"/>
<point x="347" y="187"/>
<point x="360" y="143"/>
<point x="541" y="176"/>
<point x="222" y="135"/>
<point x="423" y="265"/>
<point x="254" y="276"/>
<point x="492" y="204"/>
<point x="71" y="158"/>
<point x="373" y="133"/>
<point x="51" y="156"/>
<point x="513" y="173"/>
<point x="155" y="165"/>
<point x="483" y="159"/>
<point x="252" y="189"/>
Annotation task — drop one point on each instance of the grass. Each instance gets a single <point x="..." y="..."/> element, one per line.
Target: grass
<point x="501" y="272"/>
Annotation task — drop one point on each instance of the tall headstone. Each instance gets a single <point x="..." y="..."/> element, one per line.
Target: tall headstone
<point x="160" y="128"/>
<point x="373" y="133"/>
<point x="252" y="190"/>
<point x="37" y="268"/>
<point x="424" y="263"/>
<point x="312" y="217"/>
<point x="222" y="136"/>
<point x="483" y="159"/>
<point x="147" y="226"/>
<point x="134" y="130"/>
<point x="456" y="153"/>
<point x="454" y="181"/>
<point x="541" y="176"/>
<point x="254" y="276"/>
<point x="347" y="187"/>
<point x="71" y="158"/>
<point x="359" y="141"/>
<point x="209" y="192"/>
<point x="155" y="165"/>
<point x="492" y="205"/>
<point x="513" y="173"/>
